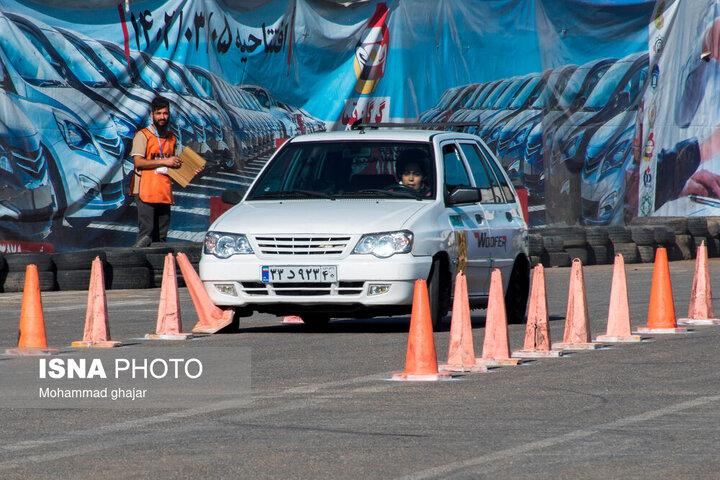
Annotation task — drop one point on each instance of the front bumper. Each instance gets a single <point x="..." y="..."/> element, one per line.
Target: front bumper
<point x="237" y="281"/>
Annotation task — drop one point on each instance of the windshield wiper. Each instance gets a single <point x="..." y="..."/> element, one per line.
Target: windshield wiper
<point x="378" y="192"/>
<point x="291" y="194"/>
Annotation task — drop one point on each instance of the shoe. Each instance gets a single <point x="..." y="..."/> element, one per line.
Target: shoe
<point x="142" y="242"/>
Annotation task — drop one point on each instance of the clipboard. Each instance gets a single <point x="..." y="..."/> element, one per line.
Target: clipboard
<point x="191" y="162"/>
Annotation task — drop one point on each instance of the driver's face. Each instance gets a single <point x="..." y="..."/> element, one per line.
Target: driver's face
<point x="412" y="175"/>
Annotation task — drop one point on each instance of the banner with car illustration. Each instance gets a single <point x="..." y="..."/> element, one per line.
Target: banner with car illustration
<point x="566" y="92"/>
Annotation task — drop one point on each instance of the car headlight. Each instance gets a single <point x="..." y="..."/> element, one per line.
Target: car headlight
<point x="572" y="146"/>
<point x="617" y="157"/>
<point x="124" y="126"/>
<point x="75" y="135"/>
<point x="225" y="245"/>
<point x="519" y="137"/>
<point x="5" y="163"/>
<point x="607" y="205"/>
<point x="384" y="245"/>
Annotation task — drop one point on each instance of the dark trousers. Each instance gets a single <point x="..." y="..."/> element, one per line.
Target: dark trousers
<point x="153" y="220"/>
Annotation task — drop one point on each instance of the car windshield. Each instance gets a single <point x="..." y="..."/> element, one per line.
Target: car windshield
<point x="524" y="94"/>
<point x="85" y="71"/>
<point x="600" y="95"/>
<point x="490" y="99"/>
<point x="25" y="58"/>
<point x="347" y="169"/>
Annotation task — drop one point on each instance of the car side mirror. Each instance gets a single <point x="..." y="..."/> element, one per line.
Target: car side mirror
<point x="463" y="195"/>
<point x="233" y="196"/>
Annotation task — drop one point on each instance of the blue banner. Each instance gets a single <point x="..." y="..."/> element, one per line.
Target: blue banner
<point x="558" y="89"/>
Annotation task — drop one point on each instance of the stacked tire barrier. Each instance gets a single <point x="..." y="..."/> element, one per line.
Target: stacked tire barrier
<point x="555" y="246"/>
<point x="124" y="268"/>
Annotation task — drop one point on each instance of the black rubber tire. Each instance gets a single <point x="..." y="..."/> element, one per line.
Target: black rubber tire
<point x="599" y="254"/>
<point x="15" y="281"/>
<point x="313" y="320"/>
<point x="619" y="235"/>
<point x="77" y="259"/>
<point x="126" y="257"/>
<point x="558" y="259"/>
<point x="628" y="250"/>
<point x="643" y="236"/>
<point x="73" y="279"/>
<point x="663" y="235"/>
<point x="596" y="236"/>
<point x="553" y="243"/>
<point x="685" y="245"/>
<point x="516" y="295"/>
<point x="192" y="250"/>
<point x="579" y="252"/>
<point x="128" y="278"/>
<point x="18" y="262"/>
<point x="575" y="239"/>
<point x="646" y="253"/>
<point x="438" y="305"/>
<point x="697" y="226"/>
<point x="535" y="244"/>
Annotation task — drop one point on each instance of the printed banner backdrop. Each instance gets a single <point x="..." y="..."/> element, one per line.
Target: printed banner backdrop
<point x="593" y="106"/>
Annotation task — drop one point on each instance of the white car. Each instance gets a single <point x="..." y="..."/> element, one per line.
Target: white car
<point x="327" y="229"/>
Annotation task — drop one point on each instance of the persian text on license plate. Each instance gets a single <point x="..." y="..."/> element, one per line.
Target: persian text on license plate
<point x="299" y="274"/>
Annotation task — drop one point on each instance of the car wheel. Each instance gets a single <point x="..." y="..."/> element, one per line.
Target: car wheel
<point x="517" y="292"/>
<point x="438" y="304"/>
<point x="315" y="320"/>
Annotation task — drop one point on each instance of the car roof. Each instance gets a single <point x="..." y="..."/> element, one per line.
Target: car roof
<point x="384" y="134"/>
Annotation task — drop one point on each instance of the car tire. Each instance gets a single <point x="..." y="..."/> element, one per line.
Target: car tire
<point x="73" y="279"/>
<point x="128" y="278"/>
<point x="15" y="281"/>
<point x="516" y="295"/>
<point x="18" y="262"/>
<point x="77" y="260"/>
<point x="438" y="307"/>
<point x="315" y="320"/>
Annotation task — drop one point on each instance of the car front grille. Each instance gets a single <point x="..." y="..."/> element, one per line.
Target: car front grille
<point x="302" y="289"/>
<point x="113" y="146"/>
<point x="305" y="245"/>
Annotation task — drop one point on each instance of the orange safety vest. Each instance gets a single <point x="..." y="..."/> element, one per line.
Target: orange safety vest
<point x="155" y="187"/>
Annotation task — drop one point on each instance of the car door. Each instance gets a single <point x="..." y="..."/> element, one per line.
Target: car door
<point x="467" y="219"/>
<point x="502" y="213"/>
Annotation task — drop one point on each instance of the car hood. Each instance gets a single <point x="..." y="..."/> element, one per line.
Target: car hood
<point x="344" y="216"/>
<point x="92" y="115"/>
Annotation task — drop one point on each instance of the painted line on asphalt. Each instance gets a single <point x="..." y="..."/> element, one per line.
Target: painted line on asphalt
<point x="144" y="422"/>
<point x="471" y="465"/>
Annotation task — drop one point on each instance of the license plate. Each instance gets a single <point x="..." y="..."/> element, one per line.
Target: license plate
<point x="299" y="274"/>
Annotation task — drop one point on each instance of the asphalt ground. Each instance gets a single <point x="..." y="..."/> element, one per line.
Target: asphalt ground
<point x="321" y="404"/>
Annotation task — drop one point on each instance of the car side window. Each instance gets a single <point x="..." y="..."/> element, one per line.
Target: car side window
<point x="484" y="178"/>
<point x="455" y="173"/>
<point x="500" y="175"/>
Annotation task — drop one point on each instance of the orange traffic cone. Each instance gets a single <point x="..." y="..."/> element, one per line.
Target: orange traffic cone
<point x="169" y="323"/>
<point x="421" y="359"/>
<point x="577" y="324"/>
<point x="537" y="332"/>
<point x="618" y="325"/>
<point x="461" y="353"/>
<point x="31" y="337"/>
<point x="661" y="313"/>
<point x="701" y="307"/>
<point x="496" y="345"/>
<point x="210" y="317"/>
<point x="293" y="319"/>
<point x="97" y="329"/>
